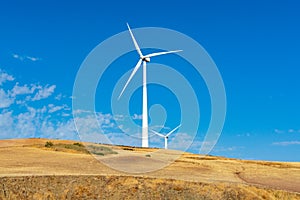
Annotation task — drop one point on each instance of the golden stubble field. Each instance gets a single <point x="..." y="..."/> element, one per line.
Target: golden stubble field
<point x="28" y="170"/>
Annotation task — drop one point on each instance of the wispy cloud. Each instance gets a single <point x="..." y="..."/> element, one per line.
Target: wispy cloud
<point x="182" y="141"/>
<point x="33" y="58"/>
<point x="53" y="108"/>
<point x="97" y="127"/>
<point x="22" y="90"/>
<point x="25" y="57"/>
<point x="123" y="139"/>
<point x="34" y="122"/>
<point x="279" y="131"/>
<point x="20" y="94"/>
<point x="5" y="99"/>
<point x="44" y="92"/>
<point x="58" y="97"/>
<point x="4" y="77"/>
<point x="16" y="56"/>
<point x="137" y="117"/>
<point x="22" y="116"/>
<point x="247" y="134"/>
<point x="291" y="130"/>
<point x="38" y="122"/>
<point x="286" y="143"/>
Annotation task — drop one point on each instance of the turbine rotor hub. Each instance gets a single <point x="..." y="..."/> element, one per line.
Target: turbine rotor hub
<point x="147" y="59"/>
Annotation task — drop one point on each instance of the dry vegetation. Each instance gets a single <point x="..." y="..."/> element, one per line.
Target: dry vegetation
<point x="126" y="187"/>
<point x="76" y="147"/>
<point x="66" y="170"/>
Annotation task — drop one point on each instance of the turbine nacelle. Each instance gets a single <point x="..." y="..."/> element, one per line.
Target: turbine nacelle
<point x="146" y="59"/>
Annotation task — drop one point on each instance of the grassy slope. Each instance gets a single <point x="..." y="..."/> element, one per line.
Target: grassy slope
<point x="128" y="187"/>
<point x="190" y="176"/>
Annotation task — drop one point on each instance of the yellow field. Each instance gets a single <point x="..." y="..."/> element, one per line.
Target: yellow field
<point x="28" y="168"/>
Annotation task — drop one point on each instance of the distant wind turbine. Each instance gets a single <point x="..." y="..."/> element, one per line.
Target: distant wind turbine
<point x="166" y="136"/>
<point x="143" y="59"/>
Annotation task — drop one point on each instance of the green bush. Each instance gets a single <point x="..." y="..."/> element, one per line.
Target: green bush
<point x="48" y="144"/>
<point x="100" y="150"/>
<point x="78" y="144"/>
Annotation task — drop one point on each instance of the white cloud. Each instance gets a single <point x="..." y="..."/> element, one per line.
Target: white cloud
<point x="22" y="116"/>
<point x="123" y="139"/>
<point x="36" y="111"/>
<point x="35" y="122"/>
<point x="119" y="118"/>
<point x="180" y="141"/>
<point x="20" y="94"/>
<point x="4" y="77"/>
<point x="278" y="131"/>
<point x="58" y="97"/>
<point x="16" y="56"/>
<point x="24" y="57"/>
<point x="102" y="128"/>
<point x="159" y="127"/>
<point x="80" y="112"/>
<point x="33" y="58"/>
<point x="31" y="119"/>
<point x="27" y="124"/>
<point x="137" y="117"/>
<point x="7" y="125"/>
<point x="286" y="131"/>
<point x="244" y="135"/>
<point x="6" y="119"/>
<point x="39" y="91"/>
<point x="65" y="114"/>
<point x="5" y="99"/>
<point x="93" y="127"/>
<point x="61" y="130"/>
<point x="286" y="143"/>
<point x="105" y="120"/>
<point x="53" y="108"/>
<point x="22" y="90"/>
<point x="44" y="93"/>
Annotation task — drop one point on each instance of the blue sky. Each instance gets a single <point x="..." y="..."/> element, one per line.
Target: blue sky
<point x="254" y="44"/>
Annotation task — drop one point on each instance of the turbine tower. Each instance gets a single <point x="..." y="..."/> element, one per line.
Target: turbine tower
<point x="143" y="59"/>
<point x="166" y="136"/>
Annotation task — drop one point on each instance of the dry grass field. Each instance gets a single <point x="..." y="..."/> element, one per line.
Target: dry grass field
<point x="65" y="170"/>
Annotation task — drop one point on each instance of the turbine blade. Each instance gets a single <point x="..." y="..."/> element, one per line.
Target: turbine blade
<point x="135" y="43"/>
<point x="161" y="135"/>
<point x="172" y="131"/>
<point x="130" y="77"/>
<point x="161" y="53"/>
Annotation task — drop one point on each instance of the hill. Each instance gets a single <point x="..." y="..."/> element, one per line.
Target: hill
<point x="65" y="170"/>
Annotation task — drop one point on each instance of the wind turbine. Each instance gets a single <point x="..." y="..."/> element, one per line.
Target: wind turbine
<point x="166" y="136"/>
<point x="143" y="59"/>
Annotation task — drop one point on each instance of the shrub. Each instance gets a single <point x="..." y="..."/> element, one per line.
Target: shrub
<point x="78" y="144"/>
<point x="128" y="149"/>
<point x="48" y="144"/>
<point x="100" y="150"/>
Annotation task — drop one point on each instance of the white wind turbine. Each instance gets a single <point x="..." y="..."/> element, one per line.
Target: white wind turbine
<point x="143" y="59"/>
<point x="166" y="136"/>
